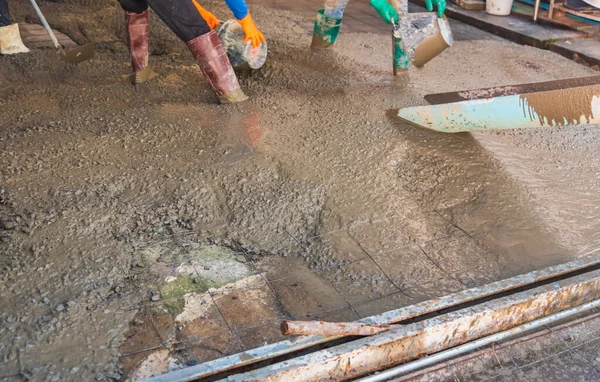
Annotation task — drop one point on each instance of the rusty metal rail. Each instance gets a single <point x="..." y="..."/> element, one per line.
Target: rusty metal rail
<point x="470" y="297"/>
<point x="404" y="344"/>
<point x="480" y="343"/>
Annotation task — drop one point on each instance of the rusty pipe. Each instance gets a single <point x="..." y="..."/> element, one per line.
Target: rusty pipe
<point x="474" y="345"/>
<point x="332" y="329"/>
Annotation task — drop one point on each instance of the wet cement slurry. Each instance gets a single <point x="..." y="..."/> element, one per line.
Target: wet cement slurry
<point x="134" y="221"/>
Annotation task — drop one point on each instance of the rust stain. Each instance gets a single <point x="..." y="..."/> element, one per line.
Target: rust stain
<point x="414" y="341"/>
<point x="562" y="110"/>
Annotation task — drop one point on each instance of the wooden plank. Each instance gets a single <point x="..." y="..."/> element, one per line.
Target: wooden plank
<point x="499" y="91"/>
<point x="587" y="15"/>
<point x="35" y="36"/>
<point x="568" y="22"/>
<point x="526" y="11"/>
<point x="470" y="4"/>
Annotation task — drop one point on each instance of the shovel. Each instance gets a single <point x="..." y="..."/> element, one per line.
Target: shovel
<point x="73" y="56"/>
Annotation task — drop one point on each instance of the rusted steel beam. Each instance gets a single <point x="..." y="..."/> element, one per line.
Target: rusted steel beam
<point x="480" y="343"/>
<point x="394" y="316"/>
<point x="500" y="91"/>
<point x="385" y="350"/>
<point x="577" y="106"/>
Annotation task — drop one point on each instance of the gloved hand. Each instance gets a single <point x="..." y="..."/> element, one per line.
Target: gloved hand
<point x="386" y="11"/>
<point x="251" y="31"/>
<point x="439" y="4"/>
<point x="210" y="19"/>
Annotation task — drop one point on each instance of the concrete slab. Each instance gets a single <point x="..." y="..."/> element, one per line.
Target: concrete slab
<point x="249" y="307"/>
<point x="562" y="367"/>
<point x="537" y="349"/>
<point x="486" y="366"/>
<point x="583" y="51"/>
<point x="591" y="352"/>
<point x="93" y="170"/>
<point x="302" y="295"/>
<point x="359" y="17"/>
<point x="511" y="27"/>
<point x="260" y="335"/>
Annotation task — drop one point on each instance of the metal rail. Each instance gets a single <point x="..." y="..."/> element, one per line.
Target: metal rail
<point x="469" y="296"/>
<point x="468" y="347"/>
<point x="578" y="106"/>
<point x="407" y="343"/>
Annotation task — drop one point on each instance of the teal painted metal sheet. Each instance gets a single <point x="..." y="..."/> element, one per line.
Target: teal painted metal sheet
<point x="579" y="106"/>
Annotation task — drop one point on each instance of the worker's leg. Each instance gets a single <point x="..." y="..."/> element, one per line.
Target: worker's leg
<point x="4" y="15"/>
<point x="137" y="26"/>
<point x="134" y="6"/>
<point x="327" y="24"/>
<point x="10" y="38"/>
<point x="187" y="23"/>
<point x="182" y="17"/>
<point x="335" y="8"/>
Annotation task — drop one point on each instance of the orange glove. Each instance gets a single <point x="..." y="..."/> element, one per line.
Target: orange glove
<point x="210" y="19"/>
<point x="251" y="31"/>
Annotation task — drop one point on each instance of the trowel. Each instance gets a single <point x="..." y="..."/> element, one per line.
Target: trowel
<point x="73" y="56"/>
<point x="570" y="102"/>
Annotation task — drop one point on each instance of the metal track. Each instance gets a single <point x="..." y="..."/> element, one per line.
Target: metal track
<point x="477" y="344"/>
<point x="431" y="326"/>
<point x="576" y="106"/>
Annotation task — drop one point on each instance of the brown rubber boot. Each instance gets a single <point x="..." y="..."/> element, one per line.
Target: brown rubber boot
<point x="137" y="41"/>
<point x="214" y="63"/>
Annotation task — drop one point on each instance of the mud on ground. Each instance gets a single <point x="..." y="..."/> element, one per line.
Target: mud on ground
<point x="106" y="191"/>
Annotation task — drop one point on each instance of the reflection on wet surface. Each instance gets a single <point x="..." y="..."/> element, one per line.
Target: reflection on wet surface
<point x="404" y="215"/>
<point x="324" y="206"/>
<point x="235" y="133"/>
<point x="480" y="196"/>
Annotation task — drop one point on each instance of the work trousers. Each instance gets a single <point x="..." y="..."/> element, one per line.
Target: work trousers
<point x="4" y="15"/>
<point x="181" y="16"/>
<point x="335" y="8"/>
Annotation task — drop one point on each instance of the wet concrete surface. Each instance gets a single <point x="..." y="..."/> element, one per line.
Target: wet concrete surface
<point x="138" y="220"/>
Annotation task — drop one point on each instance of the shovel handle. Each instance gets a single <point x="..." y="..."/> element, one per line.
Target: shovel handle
<point x="45" y="24"/>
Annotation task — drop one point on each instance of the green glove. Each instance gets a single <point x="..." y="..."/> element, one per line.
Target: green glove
<point x="386" y="11"/>
<point x="439" y="4"/>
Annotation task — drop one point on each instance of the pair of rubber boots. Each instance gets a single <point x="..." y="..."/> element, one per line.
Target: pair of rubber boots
<point x="206" y="49"/>
<point x="326" y="31"/>
<point x="10" y="40"/>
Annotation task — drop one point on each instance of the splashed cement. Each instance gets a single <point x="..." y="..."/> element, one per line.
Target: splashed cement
<point x="93" y="171"/>
<point x="575" y="106"/>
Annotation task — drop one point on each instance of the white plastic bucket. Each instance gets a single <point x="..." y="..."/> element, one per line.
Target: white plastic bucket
<point x="498" y="7"/>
